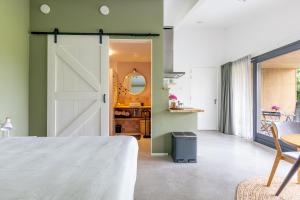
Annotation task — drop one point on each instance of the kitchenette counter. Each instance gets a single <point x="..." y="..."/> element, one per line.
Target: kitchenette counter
<point x="185" y="110"/>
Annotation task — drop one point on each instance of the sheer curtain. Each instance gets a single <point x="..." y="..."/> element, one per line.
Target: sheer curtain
<point x="242" y="98"/>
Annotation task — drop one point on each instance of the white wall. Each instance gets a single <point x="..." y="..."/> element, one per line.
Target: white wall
<point x="204" y="47"/>
<point x="212" y="47"/>
<point x="198" y="47"/>
<point x="273" y="29"/>
<point x="193" y="48"/>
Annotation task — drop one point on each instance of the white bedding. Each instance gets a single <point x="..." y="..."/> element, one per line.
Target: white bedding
<point x="85" y="168"/>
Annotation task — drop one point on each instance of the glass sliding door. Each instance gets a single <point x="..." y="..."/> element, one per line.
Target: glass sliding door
<point x="276" y="91"/>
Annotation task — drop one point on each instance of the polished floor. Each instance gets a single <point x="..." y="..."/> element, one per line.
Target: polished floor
<point x="223" y="162"/>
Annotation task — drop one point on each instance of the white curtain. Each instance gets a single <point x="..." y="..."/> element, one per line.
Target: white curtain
<point x="242" y="98"/>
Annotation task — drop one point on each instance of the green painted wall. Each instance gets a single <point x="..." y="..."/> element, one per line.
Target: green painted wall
<point x="83" y="16"/>
<point x="14" y="63"/>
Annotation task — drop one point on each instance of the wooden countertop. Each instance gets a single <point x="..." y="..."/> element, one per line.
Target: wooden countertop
<point x="185" y="110"/>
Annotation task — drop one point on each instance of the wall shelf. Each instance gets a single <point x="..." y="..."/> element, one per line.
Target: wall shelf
<point x="129" y="118"/>
<point x="132" y="107"/>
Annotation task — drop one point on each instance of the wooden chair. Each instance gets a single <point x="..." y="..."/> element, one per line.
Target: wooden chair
<point x="279" y="129"/>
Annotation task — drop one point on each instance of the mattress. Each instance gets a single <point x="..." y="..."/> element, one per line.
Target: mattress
<point x="85" y="168"/>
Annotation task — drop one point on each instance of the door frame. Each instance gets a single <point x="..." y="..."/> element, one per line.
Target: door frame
<point x="104" y="80"/>
<point x="260" y="138"/>
<point x="151" y="65"/>
<point x="218" y="71"/>
<point x="105" y="103"/>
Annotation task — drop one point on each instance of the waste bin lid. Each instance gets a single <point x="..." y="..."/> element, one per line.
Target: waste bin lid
<point x="184" y="134"/>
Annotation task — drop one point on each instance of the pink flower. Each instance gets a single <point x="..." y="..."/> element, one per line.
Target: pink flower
<point x="172" y="97"/>
<point x="275" y="107"/>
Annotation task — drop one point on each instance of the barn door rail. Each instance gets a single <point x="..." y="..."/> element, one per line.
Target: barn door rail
<point x="100" y="33"/>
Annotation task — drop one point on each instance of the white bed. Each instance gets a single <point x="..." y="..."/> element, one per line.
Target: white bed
<point x="85" y="168"/>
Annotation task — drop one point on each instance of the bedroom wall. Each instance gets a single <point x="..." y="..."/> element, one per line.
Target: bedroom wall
<point x="195" y="47"/>
<point x="14" y="63"/>
<point x="264" y="32"/>
<point x="83" y="16"/>
<point x="210" y="47"/>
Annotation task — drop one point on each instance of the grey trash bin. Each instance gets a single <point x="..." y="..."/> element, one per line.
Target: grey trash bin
<point x="184" y="147"/>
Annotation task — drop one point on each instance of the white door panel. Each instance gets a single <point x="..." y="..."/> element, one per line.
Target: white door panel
<point x="204" y="93"/>
<point x="77" y="81"/>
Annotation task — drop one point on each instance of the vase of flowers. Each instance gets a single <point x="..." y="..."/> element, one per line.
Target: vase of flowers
<point x="173" y="100"/>
<point x="275" y="108"/>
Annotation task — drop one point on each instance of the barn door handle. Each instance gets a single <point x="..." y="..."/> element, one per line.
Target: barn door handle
<point x="104" y="98"/>
<point x="215" y="101"/>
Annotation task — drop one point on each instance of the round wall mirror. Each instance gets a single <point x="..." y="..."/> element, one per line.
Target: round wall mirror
<point x="135" y="83"/>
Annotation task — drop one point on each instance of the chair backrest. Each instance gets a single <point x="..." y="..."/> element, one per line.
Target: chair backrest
<point x="284" y="128"/>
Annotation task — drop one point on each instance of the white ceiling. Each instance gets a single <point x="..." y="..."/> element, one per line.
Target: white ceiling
<point x="130" y="50"/>
<point x="176" y="10"/>
<point x="223" y="13"/>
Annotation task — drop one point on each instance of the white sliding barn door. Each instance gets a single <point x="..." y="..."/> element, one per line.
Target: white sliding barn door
<point x="204" y="94"/>
<point x="78" y="79"/>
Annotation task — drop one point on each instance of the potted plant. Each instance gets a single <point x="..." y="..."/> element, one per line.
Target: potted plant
<point x="173" y="100"/>
<point x="275" y="108"/>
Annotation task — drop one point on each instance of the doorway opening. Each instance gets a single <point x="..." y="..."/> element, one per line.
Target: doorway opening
<point x="130" y="89"/>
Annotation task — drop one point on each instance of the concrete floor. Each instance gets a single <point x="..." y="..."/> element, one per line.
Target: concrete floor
<point x="223" y="162"/>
